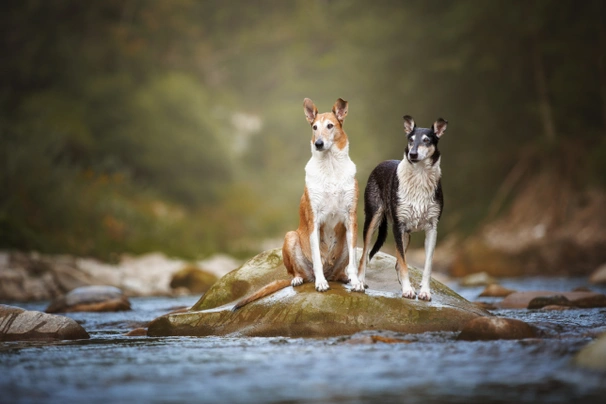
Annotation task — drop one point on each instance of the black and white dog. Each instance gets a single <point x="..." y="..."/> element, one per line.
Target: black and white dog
<point x="408" y="194"/>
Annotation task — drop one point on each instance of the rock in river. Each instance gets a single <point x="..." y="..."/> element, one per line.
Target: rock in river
<point x="593" y="356"/>
<point x="522" y="300"/>
<point x="303" y="312"/>
<point x="491" y="328"/>
<point x="90" y="298"/>
<point x="17" y="324"/>
<point x="496" y="290"/>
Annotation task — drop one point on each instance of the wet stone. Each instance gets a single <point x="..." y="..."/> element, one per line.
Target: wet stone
<point x="521" y="300"/>
<point x="303" y="312"/>
<point x="494" y="328"/>
<point x="496" y="290"/>
<point x="542" y="301"/>
<point x="593" y="356"/>
<point x="477" y="279"/>
<point x="90" y="298"/>
<point x="17" y="324"/>
<point x="137" y="332"/>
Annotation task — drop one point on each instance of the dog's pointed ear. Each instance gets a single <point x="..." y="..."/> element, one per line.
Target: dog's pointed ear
<point x="340" y="109"/>
<point x="439" y="127"/>
<point x="310" y="110"/>
<point x="409" y="124"/>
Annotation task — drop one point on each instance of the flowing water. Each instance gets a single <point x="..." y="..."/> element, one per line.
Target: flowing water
<point x="431" y="367"/>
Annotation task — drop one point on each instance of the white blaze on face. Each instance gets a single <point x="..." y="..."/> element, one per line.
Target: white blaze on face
<point x="424" y="147"/>
<point x="324" y="130"/>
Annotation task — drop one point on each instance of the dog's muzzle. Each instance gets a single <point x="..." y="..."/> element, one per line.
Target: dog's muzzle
<point x="413" y="157"/>
<point x="319" y="144"/>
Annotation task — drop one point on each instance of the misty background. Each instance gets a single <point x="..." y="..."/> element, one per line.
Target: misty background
<point x="177" y="126"/>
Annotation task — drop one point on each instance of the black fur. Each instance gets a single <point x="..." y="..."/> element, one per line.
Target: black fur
<point x="382" y="192"/>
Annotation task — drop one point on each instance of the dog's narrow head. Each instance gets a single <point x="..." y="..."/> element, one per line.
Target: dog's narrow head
<point x="423" y="142"/>
<point x="327" y="128"/>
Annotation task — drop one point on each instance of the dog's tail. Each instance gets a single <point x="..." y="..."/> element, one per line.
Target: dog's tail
<point x="380" y="237"/>
<point x="264" y="291"/>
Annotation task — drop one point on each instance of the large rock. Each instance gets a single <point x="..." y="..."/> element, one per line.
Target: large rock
<point x="303" y="312"/>
<point x="90" y="298"/>
<point x="17" y="324"/>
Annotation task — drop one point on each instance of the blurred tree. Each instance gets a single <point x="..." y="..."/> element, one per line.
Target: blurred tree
<point x="117" y="117"/>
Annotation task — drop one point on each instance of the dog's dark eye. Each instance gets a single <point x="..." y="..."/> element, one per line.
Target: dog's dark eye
<point x="315" y="127"/>
<point x="330" y="125"/>
<point x="426" y="140"/>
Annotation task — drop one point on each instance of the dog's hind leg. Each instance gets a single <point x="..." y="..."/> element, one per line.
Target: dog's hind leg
<point x="402" y="239"/>
<point x="430" y="243"/>
<point x="295" y="261"/>
<point x="371" y="222"/>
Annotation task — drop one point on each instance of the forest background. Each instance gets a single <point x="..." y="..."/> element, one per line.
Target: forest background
<point x="177" y="126"/>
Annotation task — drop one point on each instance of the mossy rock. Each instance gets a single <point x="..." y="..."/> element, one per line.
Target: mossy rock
<point x="303" y="312"/>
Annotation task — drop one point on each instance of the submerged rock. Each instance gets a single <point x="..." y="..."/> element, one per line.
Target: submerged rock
<point x="303" y="312"/>
<point x="17" y="324"/>
<point x="90" y="298"/>
<point x="492" y="328"/>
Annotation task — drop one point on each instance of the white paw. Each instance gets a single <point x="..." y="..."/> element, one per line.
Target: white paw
<point x="321" y="285"/>
<point x="357" y="286"/>
<point x="409" y="293"/>
<point x="425" y="294"/>
<point x="296" y="281"/>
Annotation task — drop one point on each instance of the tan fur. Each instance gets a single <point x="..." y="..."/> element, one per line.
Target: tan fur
<point x="264" y="291"/>
<point x="333" y="238"/>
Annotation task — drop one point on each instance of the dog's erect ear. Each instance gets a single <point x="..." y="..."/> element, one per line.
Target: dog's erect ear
<point x="439" y="127"/>
<point x="409" y="124"/>
<point x="340" y="109"/>
<point x="310" y="110"/>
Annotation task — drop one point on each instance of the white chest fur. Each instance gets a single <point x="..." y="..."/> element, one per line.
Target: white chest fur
<point x="331" y="187"/>
<point x="417" y="207"/>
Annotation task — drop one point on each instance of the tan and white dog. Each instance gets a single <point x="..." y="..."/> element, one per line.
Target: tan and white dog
<point x="323" y="248"/>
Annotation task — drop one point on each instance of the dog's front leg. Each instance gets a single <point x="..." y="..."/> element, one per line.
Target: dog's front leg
<point x="430" y="244"/>
<point x="402" y="239"/>
<point x="357" y="285"/>
<point x="316" y="258"/>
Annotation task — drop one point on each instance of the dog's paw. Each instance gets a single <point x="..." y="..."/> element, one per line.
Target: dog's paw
<point x="357" y="286"/>
<point x="322" y="285"/>
<point x="425" y="295"/>
<point x="296" y="281"/>
<point x="409" y="293"/>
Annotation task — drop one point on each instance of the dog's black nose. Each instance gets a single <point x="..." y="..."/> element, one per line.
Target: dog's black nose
<point x="413" y="156"/>
<point x="319" y="144"/>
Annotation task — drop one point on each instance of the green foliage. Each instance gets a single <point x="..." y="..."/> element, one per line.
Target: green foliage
<point x="119" y="127"/>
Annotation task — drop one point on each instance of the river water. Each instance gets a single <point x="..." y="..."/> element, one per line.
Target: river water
<point x="432" y="367"/>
